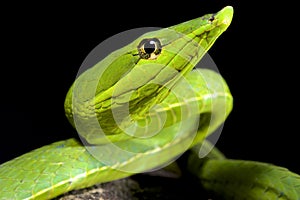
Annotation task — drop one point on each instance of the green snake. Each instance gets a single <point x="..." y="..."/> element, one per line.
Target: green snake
<point x="139" y="109"/>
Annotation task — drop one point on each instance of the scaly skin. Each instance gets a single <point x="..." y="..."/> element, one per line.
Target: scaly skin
<point x="130" y="77"/>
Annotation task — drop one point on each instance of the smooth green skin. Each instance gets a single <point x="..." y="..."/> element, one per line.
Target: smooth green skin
<point x="67" y="165"/>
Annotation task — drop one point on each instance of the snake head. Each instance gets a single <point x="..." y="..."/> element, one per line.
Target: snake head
<point x="124" y="86"/>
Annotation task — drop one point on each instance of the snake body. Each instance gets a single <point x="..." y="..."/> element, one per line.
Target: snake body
<point x="146" y="77"/>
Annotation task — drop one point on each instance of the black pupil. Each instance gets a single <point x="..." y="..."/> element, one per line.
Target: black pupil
<point x="149" y="47"/>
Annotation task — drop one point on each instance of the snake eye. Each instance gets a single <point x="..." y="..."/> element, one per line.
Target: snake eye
<point x="149" y="48"/>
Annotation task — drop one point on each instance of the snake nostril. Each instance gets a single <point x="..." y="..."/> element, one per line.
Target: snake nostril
<point x="212" y="18"/>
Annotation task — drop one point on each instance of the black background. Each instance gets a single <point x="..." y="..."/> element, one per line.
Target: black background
<point x="43" y="46"/>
